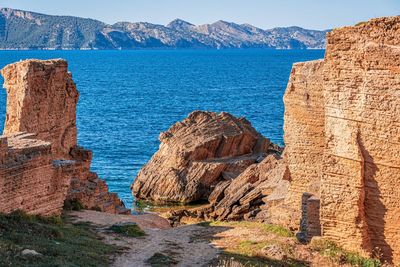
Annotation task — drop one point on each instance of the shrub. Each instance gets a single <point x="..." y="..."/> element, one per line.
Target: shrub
<point x="130" y="229"/>
<point x="61" y="243"/>
<point x="73" y="204"/>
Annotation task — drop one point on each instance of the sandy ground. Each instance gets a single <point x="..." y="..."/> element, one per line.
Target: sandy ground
<point x="190" y="245"/>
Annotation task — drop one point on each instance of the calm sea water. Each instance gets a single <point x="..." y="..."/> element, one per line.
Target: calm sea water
<point x="128" y="97"/>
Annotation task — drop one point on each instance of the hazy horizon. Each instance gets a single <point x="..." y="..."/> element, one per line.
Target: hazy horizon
<point x="308" y="14"/>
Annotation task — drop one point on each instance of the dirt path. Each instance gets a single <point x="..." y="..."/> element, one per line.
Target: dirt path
<point x="216" y="244"/>
<point x="185" y="246"/>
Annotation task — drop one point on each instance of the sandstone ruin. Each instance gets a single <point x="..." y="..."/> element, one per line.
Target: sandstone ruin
<point x="41" y="164"/>
<point x="342" y="134"/>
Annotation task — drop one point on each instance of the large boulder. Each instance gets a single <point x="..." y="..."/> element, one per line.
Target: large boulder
<point x="196" y="155"/>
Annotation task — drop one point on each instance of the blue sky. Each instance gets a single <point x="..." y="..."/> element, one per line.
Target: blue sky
<point x="314" y="14"/>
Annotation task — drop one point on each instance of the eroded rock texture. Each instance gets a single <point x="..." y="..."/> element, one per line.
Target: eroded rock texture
<point x="28" y="178"/>
<point x="199" y="154"/>
<point x="360" y="194"/>
<point x="41" y="164"/>
<point x="41" y="99"/>
<point x="304" y="128"/>
<point x="353" y="98"/>
<point x="252" y="193"/>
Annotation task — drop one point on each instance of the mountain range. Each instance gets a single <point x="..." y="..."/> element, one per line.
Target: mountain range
<point x="28" y="30"/>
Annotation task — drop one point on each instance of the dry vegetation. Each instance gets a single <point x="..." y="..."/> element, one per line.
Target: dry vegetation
<point x="257" y="244"/>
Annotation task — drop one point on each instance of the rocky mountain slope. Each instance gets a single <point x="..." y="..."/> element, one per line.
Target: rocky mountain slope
<point x="28" y="30"/>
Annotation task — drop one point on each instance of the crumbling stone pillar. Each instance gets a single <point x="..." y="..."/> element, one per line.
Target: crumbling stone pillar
<point x="41" y="99"/>
<point x="40" y="163"/>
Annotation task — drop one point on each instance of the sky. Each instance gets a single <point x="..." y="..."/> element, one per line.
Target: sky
<point x="311" y="14"/>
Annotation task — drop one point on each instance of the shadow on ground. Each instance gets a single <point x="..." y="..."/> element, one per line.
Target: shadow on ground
<point x="227" y="259"/>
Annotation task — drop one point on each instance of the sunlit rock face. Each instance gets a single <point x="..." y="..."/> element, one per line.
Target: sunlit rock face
<point x="361" y="171"/>
<point x="342" y="136"/>
<point x="41" y="99"/>
<point x="198" y="154"/>
<point x="41" y="164"/>
<point x="304" y="127"/>
<point x="252" y="194"/>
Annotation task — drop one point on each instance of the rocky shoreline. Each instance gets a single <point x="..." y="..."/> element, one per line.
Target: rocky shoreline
<point x="336" y="178"/>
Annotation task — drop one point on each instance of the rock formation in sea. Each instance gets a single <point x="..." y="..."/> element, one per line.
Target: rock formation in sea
<point x="199" y="154"/>
<point x="41" y="164"/>
<point x="339" y="175"/>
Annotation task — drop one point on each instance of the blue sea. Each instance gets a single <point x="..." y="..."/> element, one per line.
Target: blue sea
<point x="128" y="97"/>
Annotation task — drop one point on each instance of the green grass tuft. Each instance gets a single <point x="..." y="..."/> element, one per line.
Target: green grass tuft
<point x="61" y="243"/>
<point x="131" y="230"/>
<point x="161" y="260"/>
<point x="337" y="254"/>
<point x="278" y="230"/>
<point x="360" y="23"/>
<point x="73" y="204"/>
<point x="229" y="259"/>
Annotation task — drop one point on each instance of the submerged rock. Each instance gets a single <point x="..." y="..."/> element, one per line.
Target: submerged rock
<point x="200" y="154"/>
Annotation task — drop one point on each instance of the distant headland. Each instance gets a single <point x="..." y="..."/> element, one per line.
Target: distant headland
<point x="24" y="30"/>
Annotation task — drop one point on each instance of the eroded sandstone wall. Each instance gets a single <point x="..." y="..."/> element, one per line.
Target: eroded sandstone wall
<point x="28" y="179"/>
<point x="304" y="135"/>
<point x="343" y="145"/>
<point x="41" y="99"/>
<point x="41" y="164"/>
<point x="360" y="194"/>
